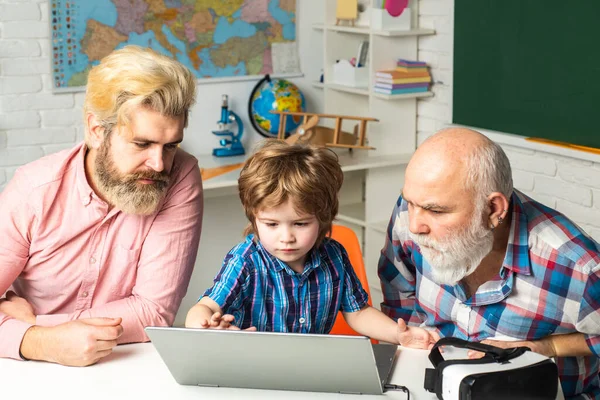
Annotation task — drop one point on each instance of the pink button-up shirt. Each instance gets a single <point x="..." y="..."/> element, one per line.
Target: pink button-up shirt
<point x="70" y="257"/>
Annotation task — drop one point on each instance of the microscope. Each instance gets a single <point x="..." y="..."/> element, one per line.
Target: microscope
<point x="233" y="145"/>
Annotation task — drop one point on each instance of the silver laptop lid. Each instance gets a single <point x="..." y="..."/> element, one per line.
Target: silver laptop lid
<point x="269" y="360"/>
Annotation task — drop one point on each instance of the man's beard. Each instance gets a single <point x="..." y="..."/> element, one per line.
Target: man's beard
<point x="124" y="191"/>
<point x="460" y="254"/>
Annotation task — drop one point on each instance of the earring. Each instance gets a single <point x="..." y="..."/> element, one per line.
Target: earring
<point x="500" y="219"/>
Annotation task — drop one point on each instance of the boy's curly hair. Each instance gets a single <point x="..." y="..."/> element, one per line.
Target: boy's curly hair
<point x="310" y="176"/>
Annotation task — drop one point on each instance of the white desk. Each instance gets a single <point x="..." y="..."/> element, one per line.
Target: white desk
<point x="136" y="371"/>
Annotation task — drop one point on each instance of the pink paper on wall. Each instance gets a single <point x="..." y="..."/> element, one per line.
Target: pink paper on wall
<point x="395" y="7"/>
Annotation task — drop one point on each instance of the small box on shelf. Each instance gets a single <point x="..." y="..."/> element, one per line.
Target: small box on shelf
<point x="344" y="73"/>
<point x="381" y="20"/>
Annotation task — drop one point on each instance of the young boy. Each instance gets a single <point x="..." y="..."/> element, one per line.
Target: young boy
<point x="288" y="276"/>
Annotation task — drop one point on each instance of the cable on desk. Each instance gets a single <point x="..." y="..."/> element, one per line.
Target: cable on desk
<point x="389" y="386"/>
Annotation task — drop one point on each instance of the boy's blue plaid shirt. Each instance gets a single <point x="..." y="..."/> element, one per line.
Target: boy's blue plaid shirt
<point x="260" y="290"/>
<point x="549" y="283"/>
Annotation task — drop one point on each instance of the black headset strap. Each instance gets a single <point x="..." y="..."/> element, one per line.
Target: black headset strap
<point x="493" y="353"/>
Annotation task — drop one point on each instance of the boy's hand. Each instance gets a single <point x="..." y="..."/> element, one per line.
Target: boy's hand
<point x="414" y="337"/>
<point x="218" y="321"/>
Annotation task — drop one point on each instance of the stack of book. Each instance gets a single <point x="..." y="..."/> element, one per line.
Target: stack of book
<point x="407" y="77"/>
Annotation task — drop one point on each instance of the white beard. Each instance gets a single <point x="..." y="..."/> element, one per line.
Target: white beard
<point x="459" y="255"/>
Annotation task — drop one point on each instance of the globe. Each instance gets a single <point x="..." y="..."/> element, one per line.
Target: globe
<point x="271" y="94"/>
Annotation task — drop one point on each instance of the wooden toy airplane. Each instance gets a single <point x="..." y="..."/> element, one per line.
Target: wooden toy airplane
<point x="310" y="132"/>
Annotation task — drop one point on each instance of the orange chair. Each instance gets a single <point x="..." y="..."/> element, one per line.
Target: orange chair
<point x="347" y="238"/>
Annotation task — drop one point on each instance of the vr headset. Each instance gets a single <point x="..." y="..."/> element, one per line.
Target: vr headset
<point x="502" y="374"/>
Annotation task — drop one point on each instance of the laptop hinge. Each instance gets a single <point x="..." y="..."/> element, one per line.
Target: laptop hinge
<point x="207" y="385"/>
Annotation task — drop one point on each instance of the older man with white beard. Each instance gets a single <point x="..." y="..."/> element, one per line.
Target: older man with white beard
<point x="99" y="241"/>
<point x="468" y="256"/>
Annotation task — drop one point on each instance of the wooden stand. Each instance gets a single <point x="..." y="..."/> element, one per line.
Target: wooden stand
<point x="309" y="132"/>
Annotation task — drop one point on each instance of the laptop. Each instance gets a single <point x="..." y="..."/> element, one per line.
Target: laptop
<point x="271" y="360"/>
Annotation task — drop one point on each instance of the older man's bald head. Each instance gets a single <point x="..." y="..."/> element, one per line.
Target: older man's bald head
<point x="451" y="148"/>
<point x="462" y="156"/>
<point x="459" y="140"/>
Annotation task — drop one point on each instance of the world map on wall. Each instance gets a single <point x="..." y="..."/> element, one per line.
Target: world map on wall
<point x="213" y="38"/>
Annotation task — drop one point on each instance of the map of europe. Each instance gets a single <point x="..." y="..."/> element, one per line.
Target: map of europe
<point x="213" y="38"/>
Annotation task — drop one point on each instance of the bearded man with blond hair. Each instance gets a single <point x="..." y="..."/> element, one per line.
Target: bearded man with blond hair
<point x="468" y="256"/>
<point x="99" y="241"/>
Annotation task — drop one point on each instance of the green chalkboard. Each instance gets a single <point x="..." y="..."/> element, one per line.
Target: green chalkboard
<point x="529" y="67"/>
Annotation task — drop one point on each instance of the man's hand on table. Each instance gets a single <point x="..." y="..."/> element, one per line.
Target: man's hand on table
<point x="559" y="345"/>
<point x="76" y="343"/>
<point x="543" y="346"/>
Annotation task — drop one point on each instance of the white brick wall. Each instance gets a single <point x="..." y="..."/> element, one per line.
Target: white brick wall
<point x="20" y="12"/>
<point x="570" y="185"/>
<point x="18" y="48"/>
<point x="33" y="121"/>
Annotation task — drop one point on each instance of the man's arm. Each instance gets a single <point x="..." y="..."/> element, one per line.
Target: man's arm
<point x="573" y="344"/>
<point x="569" y="345"/>
<point x="164" y="268"/>
<point x="586" y="341"/>
<point x="75" y="343"/>
<point x="16" y="221"/>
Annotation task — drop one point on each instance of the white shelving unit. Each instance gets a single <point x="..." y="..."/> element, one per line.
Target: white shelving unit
<point x="368" y="196"/>
<point x="372" y="179"/>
